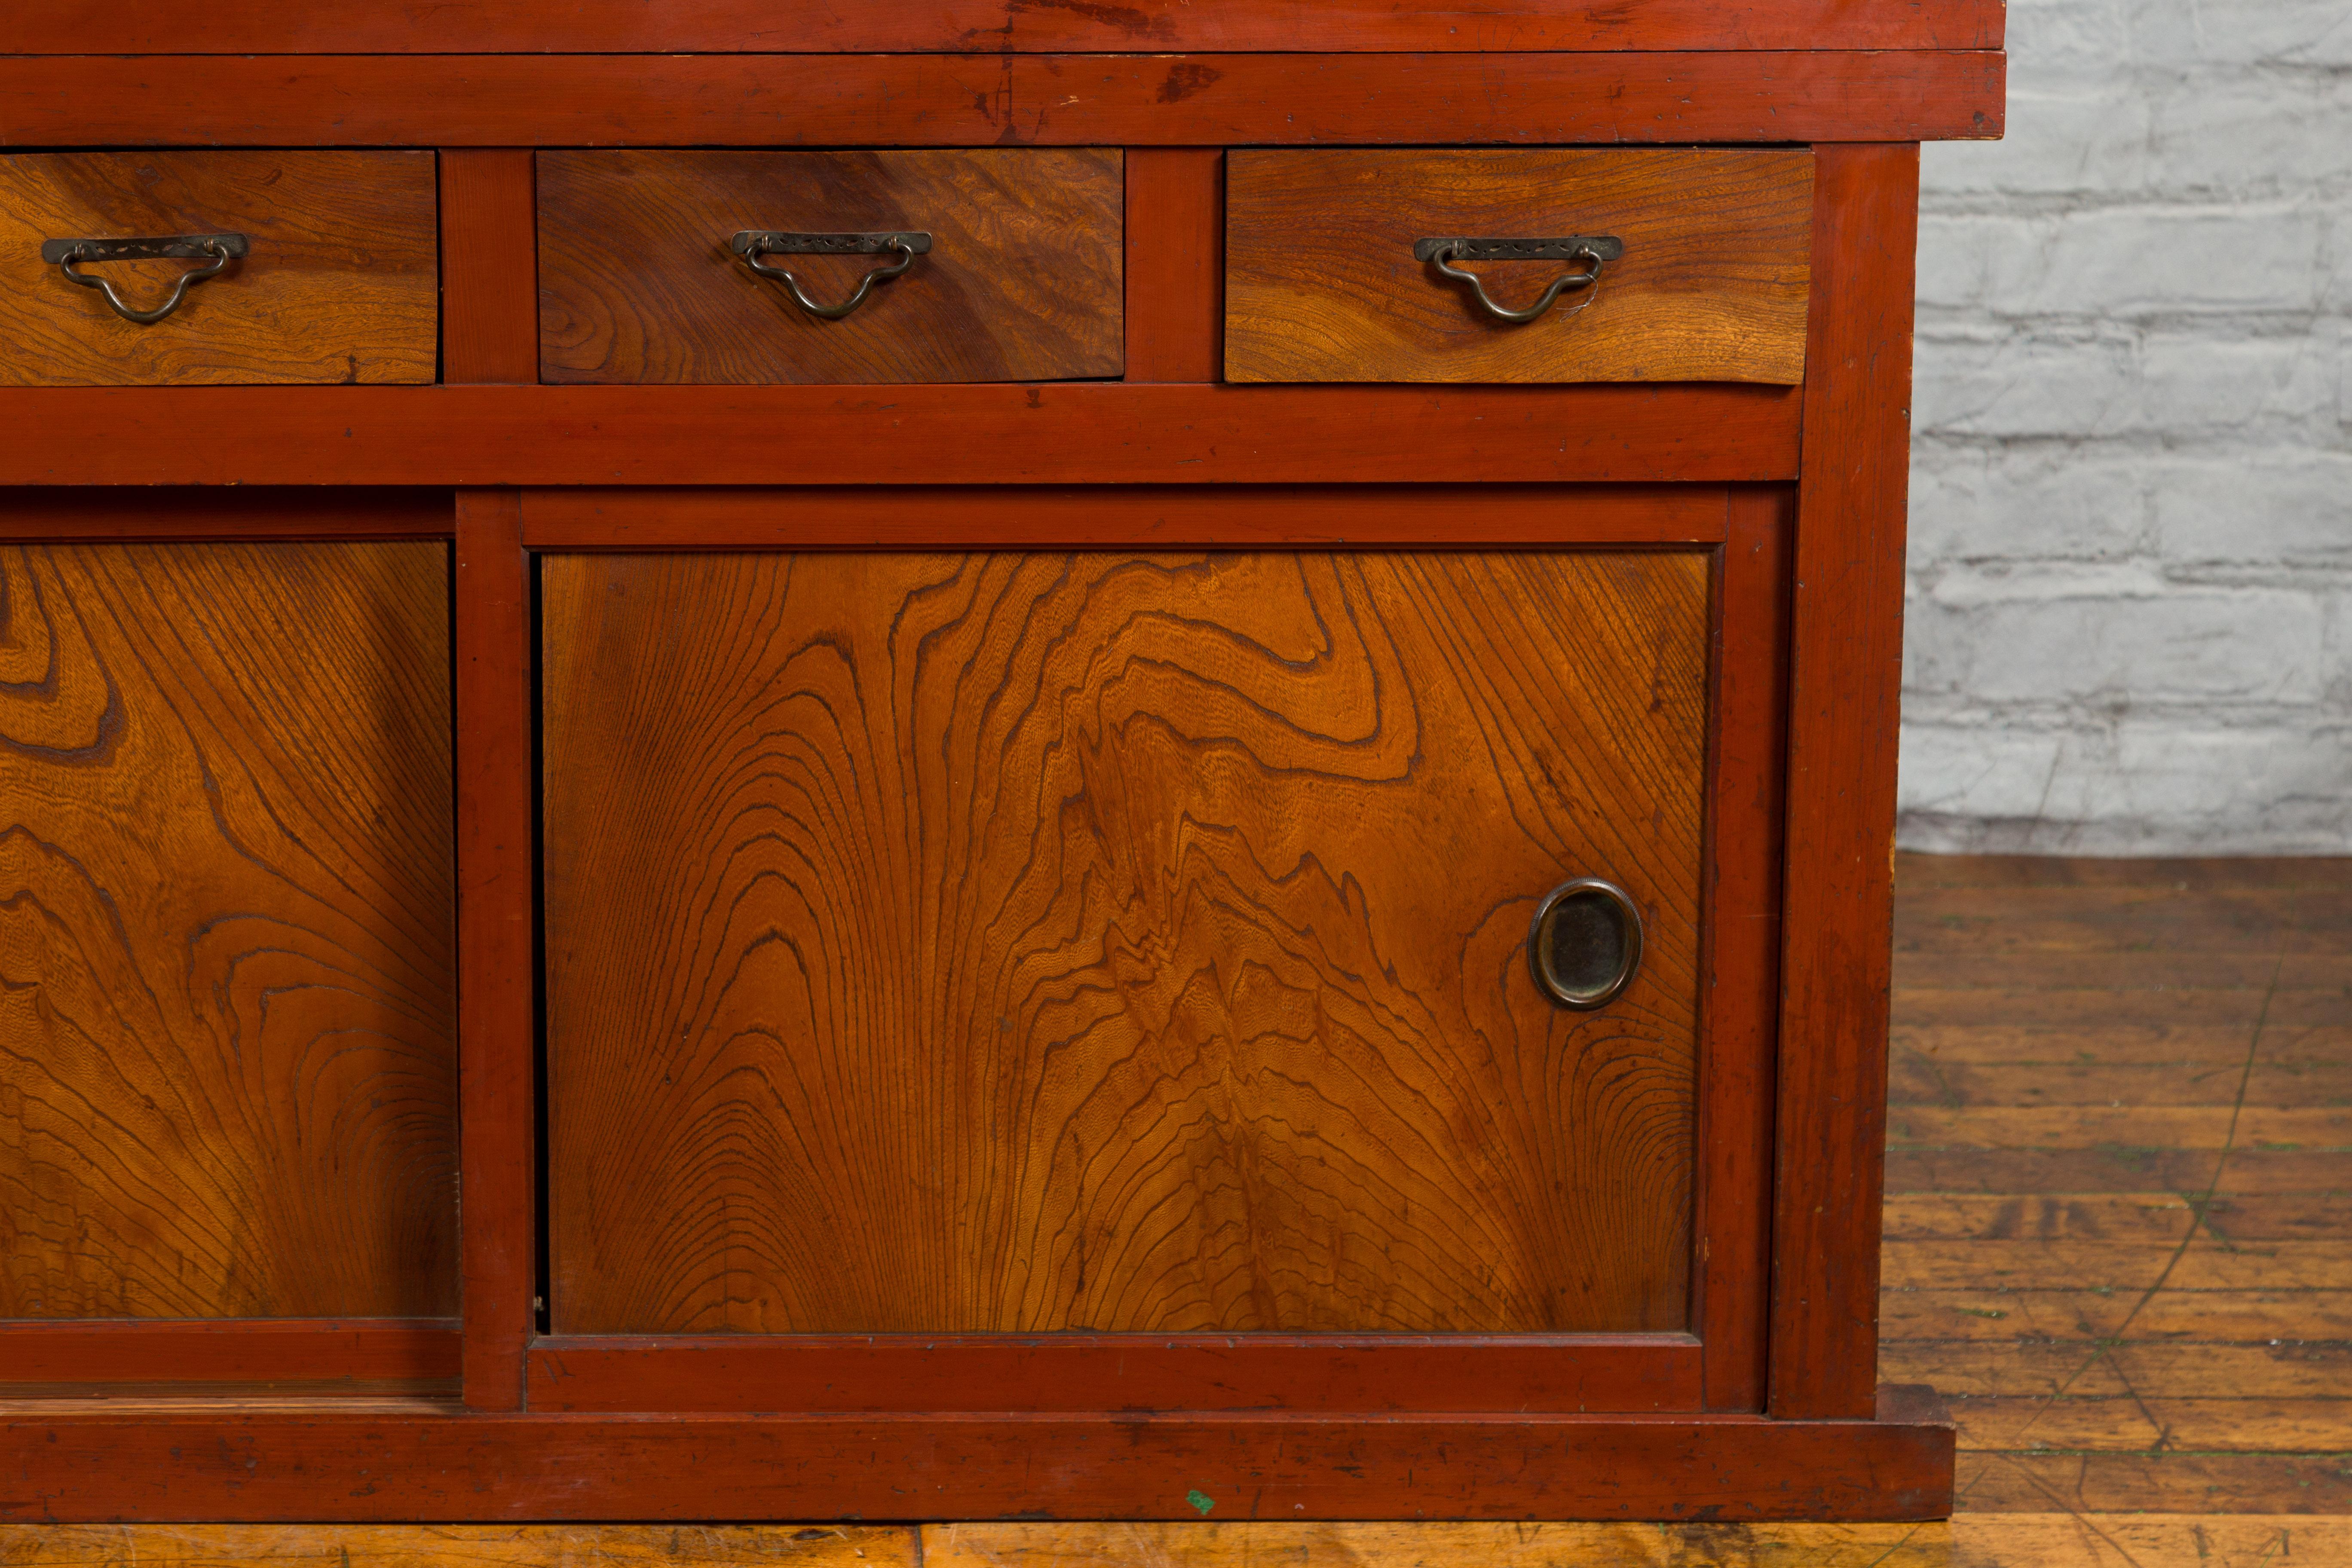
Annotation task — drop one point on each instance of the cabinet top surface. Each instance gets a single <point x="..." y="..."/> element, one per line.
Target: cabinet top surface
<point x="997" y="26"/>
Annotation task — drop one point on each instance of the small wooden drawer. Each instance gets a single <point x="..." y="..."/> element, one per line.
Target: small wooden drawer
<point x="331" y="274"/>
<point x="1322" y="281"/>
<point x="640" y="279"/>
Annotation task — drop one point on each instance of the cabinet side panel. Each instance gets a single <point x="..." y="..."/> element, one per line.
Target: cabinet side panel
<point x="225" y="1030"/>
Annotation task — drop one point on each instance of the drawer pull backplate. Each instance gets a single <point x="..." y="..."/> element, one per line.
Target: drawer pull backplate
<point x="1585" y="942"/>
<point x="1595" y="251"/>
<point x="221" y="248"/>
<point x="750" y="244"/>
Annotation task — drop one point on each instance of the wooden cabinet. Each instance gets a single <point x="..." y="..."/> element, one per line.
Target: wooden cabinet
<point x="333" y="276"/>
<point x="993" y="878"/>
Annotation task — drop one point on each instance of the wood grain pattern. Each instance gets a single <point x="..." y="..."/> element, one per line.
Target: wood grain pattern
<point x="340" y="285"/>
<point x="936" y="101"/>
<point x="1108" y="941"/>
<point x="2030" y="1299"/>
<point x="460" y="1546"/>
<point x="2038" y="1540"/>
<point x="1321" y="283"/>
<point x="2089" y="1242"/>
<point x="2032" y="1482"/>
<point x="993" y="27"/>
<point x="2014" y="1541"/>
<point x="1068" y="433"/>
<point x="1845" y="687"/>
<point x="224" y="932"/>
<point x="636" y="282"/>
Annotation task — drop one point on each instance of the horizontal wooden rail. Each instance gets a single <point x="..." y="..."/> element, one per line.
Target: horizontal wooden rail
<point x="1128" y="517"/>
<point x="987" y="27"/>
<point x="321" y="1467"/>
<point x="37" y="514"/>
<point x="1556" y="1374"/>
<point x="917" y="100"/>
<point x="1068" y="433"/>
<point x="224" y="1349"/>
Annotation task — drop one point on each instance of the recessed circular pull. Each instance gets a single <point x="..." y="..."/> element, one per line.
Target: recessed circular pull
<point x="1585" y="942"/>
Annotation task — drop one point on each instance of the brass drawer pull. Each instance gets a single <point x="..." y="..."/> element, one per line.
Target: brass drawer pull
<point x="222" y="248"/>
<point x="1585" y="942"/>
<point x="751" y="244"/>
<point x="1595" y="251"/>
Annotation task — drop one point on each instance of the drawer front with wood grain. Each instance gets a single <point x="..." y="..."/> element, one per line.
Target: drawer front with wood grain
<point x="1011" y="272"/>
<point x="298" y="267"/>
<point x="1679" y="265"/>
<point x="227" y="1052"/>
<point x="1029" y="941"/>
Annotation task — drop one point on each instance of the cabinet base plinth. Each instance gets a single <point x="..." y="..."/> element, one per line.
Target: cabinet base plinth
<point x="324" y="1466"/>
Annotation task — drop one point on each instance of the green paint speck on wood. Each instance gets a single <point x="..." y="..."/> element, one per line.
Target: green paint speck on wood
<point x="1201" y="1501"/>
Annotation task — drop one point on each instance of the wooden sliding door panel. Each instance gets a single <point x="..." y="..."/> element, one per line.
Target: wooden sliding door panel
<point x="227" y="1063"/>
<point x="1029" y="941"/>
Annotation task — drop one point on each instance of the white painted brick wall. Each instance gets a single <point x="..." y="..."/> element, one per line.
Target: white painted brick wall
<point x="2130" y="608"/>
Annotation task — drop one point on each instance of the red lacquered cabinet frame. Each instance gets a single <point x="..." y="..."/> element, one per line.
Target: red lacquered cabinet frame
<point x="1772" y="514"/>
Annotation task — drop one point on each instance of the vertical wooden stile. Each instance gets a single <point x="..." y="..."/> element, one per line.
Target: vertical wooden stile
<point x="496" y="917"/>
<point x="1738" y="1008"/>
<point x="490" y="267"/>
<point x="1845" y="690"/>
<point x="1175" y="263"/>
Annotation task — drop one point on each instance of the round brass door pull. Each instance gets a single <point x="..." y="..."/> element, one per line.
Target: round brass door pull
<point x="1585" y="943"/>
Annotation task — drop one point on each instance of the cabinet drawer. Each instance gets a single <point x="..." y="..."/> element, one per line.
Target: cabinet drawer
<point x="1322" y="282"/>
<point x="338" y="279"/>
<point x="1032" y="942"/>
<point x="640" y="280"/>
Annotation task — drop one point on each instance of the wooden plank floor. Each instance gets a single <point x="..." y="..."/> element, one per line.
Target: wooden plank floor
<point x="2119" y="1238"/>
<point x="2119" y="1180"/>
